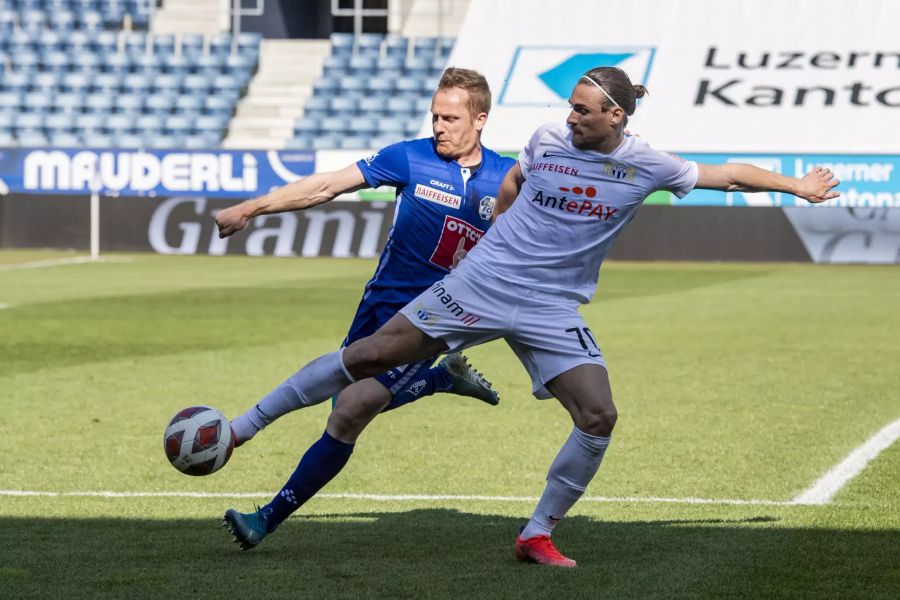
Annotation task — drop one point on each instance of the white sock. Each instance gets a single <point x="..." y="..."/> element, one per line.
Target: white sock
<point x="571" y="471"/>
<point x="316" y="382"/>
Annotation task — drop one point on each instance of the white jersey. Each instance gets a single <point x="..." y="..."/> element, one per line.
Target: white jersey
<point x="570" y="209"/>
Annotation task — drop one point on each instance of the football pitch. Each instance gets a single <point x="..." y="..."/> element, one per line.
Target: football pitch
<point x="754" y="455"/>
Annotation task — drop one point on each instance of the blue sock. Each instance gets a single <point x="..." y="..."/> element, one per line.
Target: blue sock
<point x="321" y="463"/>
<point x="432" y="381"/>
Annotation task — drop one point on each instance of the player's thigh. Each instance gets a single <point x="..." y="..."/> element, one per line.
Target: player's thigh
<point x="585" y="392"/>
<point x="397" y="342"/>
<point x="356" y="406"/>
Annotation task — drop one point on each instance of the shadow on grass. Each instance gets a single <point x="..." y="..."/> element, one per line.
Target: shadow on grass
<point x="432" y="553"/>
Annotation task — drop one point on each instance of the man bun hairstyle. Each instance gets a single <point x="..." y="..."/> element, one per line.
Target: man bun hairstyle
<point x="474" y="83"/>
<point x="615" y="82"/>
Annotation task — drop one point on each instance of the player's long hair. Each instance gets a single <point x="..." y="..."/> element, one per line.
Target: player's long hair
<point x="616" y="83"/>
<point x="474" y="83"/>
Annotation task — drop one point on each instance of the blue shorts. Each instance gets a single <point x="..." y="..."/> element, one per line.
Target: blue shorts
<point x="369" y="317"/>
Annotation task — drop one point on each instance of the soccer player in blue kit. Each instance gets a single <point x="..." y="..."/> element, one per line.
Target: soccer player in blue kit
<point x="446" y="190"/>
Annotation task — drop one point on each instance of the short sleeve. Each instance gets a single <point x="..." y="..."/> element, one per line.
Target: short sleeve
<point x="526" y="156"/>
<point x="675" y="174"/>
<point x="388" y="166"/>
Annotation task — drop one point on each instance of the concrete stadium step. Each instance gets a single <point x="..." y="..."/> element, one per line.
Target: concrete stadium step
<point x="192" y="16"/>
<point x="428" y="18"/>
<point x="265" y="117"/>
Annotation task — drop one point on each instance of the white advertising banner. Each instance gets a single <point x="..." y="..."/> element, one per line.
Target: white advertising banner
<point x="756" y="76"/>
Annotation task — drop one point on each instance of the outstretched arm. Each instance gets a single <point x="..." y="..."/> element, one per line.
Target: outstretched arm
<point x="305" y="193"/>
<point x="816" y="186"/>
<point x="509" y="189"/>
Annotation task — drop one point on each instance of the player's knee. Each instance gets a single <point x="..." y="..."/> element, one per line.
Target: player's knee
<point x="366" y="358"/>
<point x="599" y="421"/>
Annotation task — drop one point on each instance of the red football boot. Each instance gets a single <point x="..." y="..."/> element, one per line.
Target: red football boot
<point x="540" y="549"/>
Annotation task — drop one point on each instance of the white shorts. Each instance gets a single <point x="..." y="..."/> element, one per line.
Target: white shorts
<point x="545" y="331"/>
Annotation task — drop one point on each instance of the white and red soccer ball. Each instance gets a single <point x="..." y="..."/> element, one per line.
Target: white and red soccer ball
<point x="198" y="440"/>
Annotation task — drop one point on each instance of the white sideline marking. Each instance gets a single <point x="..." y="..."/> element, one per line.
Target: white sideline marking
<point x="57" y="262"/>
<point x="823" y="490"/>
<point x="385" y="497"/>
<point x="3" y="305"/>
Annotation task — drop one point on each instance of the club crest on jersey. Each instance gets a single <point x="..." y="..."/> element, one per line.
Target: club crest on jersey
<point x="370" y="159"/>
<point x="619" y="171"/>
<point x="430" y="194"/>
<point x="424" y="314"/>
<point x="486" y="207"/>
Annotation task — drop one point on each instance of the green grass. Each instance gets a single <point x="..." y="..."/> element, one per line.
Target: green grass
<point x="733" y="382"/>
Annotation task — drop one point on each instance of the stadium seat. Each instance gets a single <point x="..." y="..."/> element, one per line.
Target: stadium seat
<point x="372" y="106"/>
<point x="64" y="139"/>
<point x="32" y="138"/>
<point x="159" y="103"/>
<point x="362" y="126"/>
<point x="401" y="107"/>
<point x="166" y="83"/>
<point x="356" y="143"/>
<point x="362" y="65"/>
<point x="343" y="105"/>
<point x="341" y="44"/>
<point x="380" y="87"/>
<point x="129" y="140"/>
<point x="307" y="125"/>
<point x="119" y="122"/>
<point x="90" y="122"/>
<point x="178" y="124"/>
<point x="316" y="106"/>
<point x="209" y="123"/>
<point x="326" y="142"/>
<point x="333" y="125"/>
<point x="29" y="121"/>
<point x="69" y="103"/>
<point x="37" y="102"/>
<point x="60" y="122"/>
<point x="108" y="83"/>
<point x="299" y="144"/>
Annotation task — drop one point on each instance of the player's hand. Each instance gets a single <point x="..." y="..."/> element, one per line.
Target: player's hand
<point x="459" y="254"/>
<point x="231" y="220"/>
<point x="816" y="186"/>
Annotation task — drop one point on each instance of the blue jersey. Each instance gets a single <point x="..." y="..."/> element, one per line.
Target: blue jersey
<point x="439" y="203"/>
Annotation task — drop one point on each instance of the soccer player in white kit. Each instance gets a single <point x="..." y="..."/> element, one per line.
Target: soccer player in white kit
<point x="576" y="185"/>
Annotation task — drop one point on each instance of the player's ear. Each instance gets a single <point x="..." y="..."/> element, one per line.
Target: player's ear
<point x="480" y="121"/>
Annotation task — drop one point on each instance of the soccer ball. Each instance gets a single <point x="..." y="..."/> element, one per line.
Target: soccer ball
<point x="198" y="440"/>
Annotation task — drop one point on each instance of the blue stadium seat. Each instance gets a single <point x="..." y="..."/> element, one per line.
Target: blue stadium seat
<point x="220" y="44"/>
<point x="341" y="44"/>
<point x="355" y="143"/>
<point x="137" y="82"/>
<point x="7" y="120"/>
<point x="148" y="123"/>
<point x="127" y="102"/>
<point x="210" y="123"/>
<point x="445" y="47"/>
<point x="307" y="125"/>
<point x="333" y="125"/>
<point x="90" y="21"/>
<point x="143" y="63"/>
<point x="7" y="138"/>
<point x="25" y="121"/>
<point x="196" y="83"/>
<point x="425" y="46"/>
<point x="69" y="103"/>
<point x="352" y="84"/>
<point x="31" y="138"/>
<point x="211" y="65"/>
<point x="249" y="41"/>
<point x="176" y="65"/>
<point x="166" y="83"/>
<point x="236" y="62"/>
<point x="316" y="106"/>
<point x="129" y="140"/>
<point x="409" y="84"/>
<point x="46" y="81"/>
<point x="32" y="20"/>
<point x="299" y="143"/>
<point x="166" y="142"/>
<point x="37" y="102"/>
<point x="64" y="139"/>
<point x="327" y="142"/>
<point x="115" y="63"/>
<point x="343" y="105"/>
<point x="372" y="106"/>
<point x="178" y="124"/>
<point x="392" y="125"/>
<point x="226" y="82"/>
<point x="108" y="83"/>
<point x="362" y="65"/>
<point x="395" y="46"/>
<point x="97" y="140"/>
<point x="196" y="142"/>
<point x="336" y="65"/>
<point x="380" y="86"/>
<point x="26" y="59"/>
<point x="90" y="122"/>
<point x="119" y="122"/>
<point x="390" y="64"/>
<point x="75" y="82"/>
<point x="364" y="126"/>
<point x="219" y="105"/>
<point x="104" y="41"/>
<point x="185" y="104"/>
<point x="77" y="41"/>
<point x="100" y="103"/>
<point x="400" y="107"/>
<point x="49" y="40"/>
<point x="16" y="81"/>
<point x="159" y="103"/>
<point x="163" y="43"/>
<point x="60" y="122"/>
